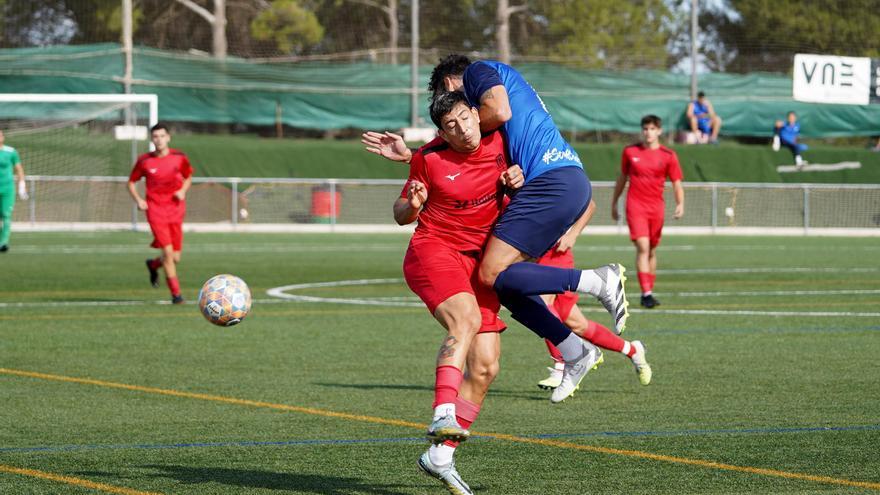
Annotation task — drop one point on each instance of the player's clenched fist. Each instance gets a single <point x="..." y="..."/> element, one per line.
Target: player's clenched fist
<point x="417" y="194"/>
<point x="513" y="177"/>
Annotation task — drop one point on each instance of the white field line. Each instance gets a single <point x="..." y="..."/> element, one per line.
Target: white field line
<point x="280" y="295"/>
<point x="65" y="304"/>
<point x="208" y="248"/>
<point x="804" y="269"/>
<point x="850" y="292"/>
<point x="281" y="292"/>
<point x="376" y="247"/>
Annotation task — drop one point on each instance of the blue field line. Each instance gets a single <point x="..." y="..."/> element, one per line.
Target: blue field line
<point x="285" y="443"/>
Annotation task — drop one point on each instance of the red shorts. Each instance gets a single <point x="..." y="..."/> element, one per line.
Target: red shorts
<point x="565" y="302"/>
<point x="645" y="226"/>
<point x="167" y="233"/>
<point x="436" y="272"/>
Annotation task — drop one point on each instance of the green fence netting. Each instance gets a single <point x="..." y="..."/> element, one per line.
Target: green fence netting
<point x="324" y="95"/>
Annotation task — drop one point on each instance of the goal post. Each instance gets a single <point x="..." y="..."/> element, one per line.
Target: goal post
<point x="151" y="100"/>
<point x="90" y="135"/>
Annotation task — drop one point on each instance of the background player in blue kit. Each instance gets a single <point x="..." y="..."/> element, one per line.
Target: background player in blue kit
<point x="704" y="122"/>
<point x="786" y="134"/>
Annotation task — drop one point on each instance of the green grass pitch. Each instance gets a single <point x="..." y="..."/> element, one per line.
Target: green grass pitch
<point x="766" y="376"/>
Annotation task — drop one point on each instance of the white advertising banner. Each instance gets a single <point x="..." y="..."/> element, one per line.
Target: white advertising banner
<point x="831" y="79"/>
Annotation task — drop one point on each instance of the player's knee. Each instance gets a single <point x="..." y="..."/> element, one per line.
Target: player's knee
<point x="484" y="373"/>
<point x="577" y="323"/>
<point x="489" y="274"/>
<point x="465" y="324"/>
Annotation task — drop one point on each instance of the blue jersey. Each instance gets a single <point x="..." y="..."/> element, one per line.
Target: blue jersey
<point x="701" y="111"/>
<point x="533" y="141"/>
<point x="789" y="132"/>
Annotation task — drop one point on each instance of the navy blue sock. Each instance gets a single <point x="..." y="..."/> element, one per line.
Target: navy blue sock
<point x="534" y="314"/>
<point x="530" y="279"/>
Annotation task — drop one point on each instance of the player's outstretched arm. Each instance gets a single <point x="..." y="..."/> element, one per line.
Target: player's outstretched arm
<point x="494" y="108"/>
<point x="388" y="145"/>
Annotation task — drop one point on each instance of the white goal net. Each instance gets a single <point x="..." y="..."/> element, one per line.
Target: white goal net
<point x="76" y="135"/>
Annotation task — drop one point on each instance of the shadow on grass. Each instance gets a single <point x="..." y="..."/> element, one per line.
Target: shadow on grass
<point x="249" y="478"/>
<point x="537" y="395"/>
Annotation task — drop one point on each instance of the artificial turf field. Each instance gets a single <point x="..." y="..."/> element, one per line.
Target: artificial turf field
<point x="766" y="376"/>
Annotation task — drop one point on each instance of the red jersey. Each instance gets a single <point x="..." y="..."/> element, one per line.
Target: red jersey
<point x="164" y="176"/>
<point x="647" y="170"/>
<point x="464" y="193"/>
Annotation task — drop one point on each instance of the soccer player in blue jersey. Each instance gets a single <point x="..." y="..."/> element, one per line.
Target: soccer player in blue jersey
<point x="556" y="193"/>
<point x="703" y="119"/>
<point x="787" y="133"/>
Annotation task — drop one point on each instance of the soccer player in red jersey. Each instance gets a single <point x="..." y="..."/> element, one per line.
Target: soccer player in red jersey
<point x="647" y="165"/>
<point x="454" y="191"/>
<point x="168" y="176"/>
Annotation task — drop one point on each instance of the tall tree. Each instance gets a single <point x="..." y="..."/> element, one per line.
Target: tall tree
<point x="290" y="26"/>
<point x="502" y="27"/>
<point x="393" y="23"/>
<point x="767" y="34"/>
<point x="217" y="20"/>
<point x="610" y="34"/>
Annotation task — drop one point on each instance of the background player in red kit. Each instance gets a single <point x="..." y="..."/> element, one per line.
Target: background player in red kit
<point x="647" y="165"/>
<point x="454" y="192"/>
<point x="168" y="176"/>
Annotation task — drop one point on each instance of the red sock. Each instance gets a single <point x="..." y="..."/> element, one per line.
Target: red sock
<point x="446" y="385"/>
<point x="653" y="279"/>
<point x="466" y="413"/>
<point x="602" y="337"/>
<point x="554" y="352"/>
<point x="156" y="263"/>
<point x="646" y="281"/>
<point x="173" y="285"/>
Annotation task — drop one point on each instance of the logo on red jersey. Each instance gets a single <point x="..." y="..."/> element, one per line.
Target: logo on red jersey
<point x="452" y="177"/>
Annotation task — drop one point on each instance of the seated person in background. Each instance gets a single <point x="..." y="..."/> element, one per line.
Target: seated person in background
<point x="876" y="146"/>
<point x="786" y="134"/>
<point x="704" y="122"/>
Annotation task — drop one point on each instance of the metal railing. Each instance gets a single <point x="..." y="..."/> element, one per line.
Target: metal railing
<point x="234" y="203"/>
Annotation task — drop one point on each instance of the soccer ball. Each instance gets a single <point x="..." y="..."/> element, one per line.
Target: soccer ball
<point x="225" y="300"/>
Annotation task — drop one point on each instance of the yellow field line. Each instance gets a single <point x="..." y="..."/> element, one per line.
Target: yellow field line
<point x="70" y="480"/>
<point x="500" y="436"/>
<point x="214" y="398"/>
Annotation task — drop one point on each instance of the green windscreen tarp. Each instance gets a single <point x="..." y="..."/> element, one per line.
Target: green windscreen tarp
<point x="323" y="95"/>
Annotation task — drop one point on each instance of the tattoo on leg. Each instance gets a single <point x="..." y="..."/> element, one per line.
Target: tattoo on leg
<point x="447" y="350"/>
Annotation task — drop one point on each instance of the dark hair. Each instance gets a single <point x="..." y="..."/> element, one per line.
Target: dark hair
<point x="443" y="103"/>
<point x="452" y="65"/>
<point x="159" y="126"/>
<point x="652" y="119"/>
<point x="701" y="95"/>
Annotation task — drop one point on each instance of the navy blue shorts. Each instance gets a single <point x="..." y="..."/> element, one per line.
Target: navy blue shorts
<point x="543" y="210"/>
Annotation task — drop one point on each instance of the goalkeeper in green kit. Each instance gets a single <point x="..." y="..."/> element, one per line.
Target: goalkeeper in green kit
<point x="9" y="161"/>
